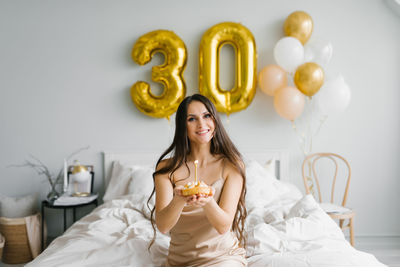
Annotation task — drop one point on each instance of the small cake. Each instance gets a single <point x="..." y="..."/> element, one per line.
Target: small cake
<point x="194" y="188"/>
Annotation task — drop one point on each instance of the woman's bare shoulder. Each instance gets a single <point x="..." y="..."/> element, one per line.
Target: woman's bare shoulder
<point x="163" y="163"/>
<point x="232" y="168"/>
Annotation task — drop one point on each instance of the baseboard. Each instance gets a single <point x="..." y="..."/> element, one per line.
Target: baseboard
<point x="395" y="235"/>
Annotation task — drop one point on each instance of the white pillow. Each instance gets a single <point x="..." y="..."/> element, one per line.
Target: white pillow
<point x="259" y="182"/>
<point x="129" y="179"/>
<point x="120" y="177"/>
<point x="12" y="207"/>
<point x="141" y="180"/>
<point x="270" y="166"/>
<point x="263" y="187"/>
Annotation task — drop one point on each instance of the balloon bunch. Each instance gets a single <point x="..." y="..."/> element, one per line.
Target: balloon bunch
<point x="305" y="64"/>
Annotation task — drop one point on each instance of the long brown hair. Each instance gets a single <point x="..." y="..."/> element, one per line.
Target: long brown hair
<point x="221" y="144"/>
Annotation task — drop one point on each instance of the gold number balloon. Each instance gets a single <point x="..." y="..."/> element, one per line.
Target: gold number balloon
<point x="299" y="25"/>
<point x="245" y="80"/>
<point x="170" y="74"/>
<point x="309" y="78"/>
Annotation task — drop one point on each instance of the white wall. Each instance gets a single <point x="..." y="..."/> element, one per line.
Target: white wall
<point x="65" y="74"/>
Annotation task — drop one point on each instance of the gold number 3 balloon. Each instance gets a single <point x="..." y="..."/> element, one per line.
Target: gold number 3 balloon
<point x="245" y="81"/>
<point x="170" y="74"/>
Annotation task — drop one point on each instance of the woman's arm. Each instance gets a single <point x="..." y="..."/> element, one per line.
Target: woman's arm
<point x="221" y="215"/>
<point x="169" y="202"/>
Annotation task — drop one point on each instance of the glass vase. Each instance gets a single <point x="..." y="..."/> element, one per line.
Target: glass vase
<point x="53" y="194"/>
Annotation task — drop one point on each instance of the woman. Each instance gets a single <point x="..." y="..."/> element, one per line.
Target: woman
<point x="205" y="230"/>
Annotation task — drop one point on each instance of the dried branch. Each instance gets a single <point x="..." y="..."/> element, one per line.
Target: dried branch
<point x="38" y="166"/>
<point x="41" y="169"/>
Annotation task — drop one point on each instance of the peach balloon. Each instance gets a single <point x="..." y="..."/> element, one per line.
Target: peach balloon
<point x="289" y="102"/>
<point x="271" y="78"/>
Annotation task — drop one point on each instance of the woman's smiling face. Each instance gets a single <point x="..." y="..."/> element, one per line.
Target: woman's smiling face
<point x="200" y="123"/>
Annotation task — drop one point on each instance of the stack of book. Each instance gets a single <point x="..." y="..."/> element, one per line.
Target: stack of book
<point x="67" y="200"/>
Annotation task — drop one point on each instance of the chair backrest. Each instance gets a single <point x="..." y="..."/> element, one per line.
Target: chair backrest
<point x="310" y="163"/>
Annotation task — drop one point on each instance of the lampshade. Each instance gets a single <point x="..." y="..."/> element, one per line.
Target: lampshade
<point x="80" y="174"/>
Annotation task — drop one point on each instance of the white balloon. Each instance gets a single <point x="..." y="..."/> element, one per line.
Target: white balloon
<point x="289" y="53"/>
<point x="333" y="97"/>
<point x="318" y="51"/>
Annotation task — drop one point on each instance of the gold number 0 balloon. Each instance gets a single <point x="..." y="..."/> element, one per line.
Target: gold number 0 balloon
<point x="169" y="74"/>
<point x="245" y="81"/>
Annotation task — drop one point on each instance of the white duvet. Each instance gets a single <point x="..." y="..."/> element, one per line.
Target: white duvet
<point x="283" y="229"/>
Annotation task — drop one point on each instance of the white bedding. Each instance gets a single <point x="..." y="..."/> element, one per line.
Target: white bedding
<point x="283" y="228"/>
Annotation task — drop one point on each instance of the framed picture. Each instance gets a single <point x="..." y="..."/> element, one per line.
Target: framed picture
<point x="81" y="183"/>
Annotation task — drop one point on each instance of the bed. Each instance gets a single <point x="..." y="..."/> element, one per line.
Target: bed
<point x="283" y="227"/>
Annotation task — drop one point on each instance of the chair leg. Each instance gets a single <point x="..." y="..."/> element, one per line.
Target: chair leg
<point x="351" y="232"/>
<point x="341" y="223"/>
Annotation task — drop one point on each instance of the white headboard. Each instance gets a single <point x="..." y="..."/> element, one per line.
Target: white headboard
<point x="150" y="157"/>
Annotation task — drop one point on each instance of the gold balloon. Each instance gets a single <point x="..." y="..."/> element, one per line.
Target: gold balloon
<point x="299" y="25"/>
<point x="244" y="45"/>
<point x="170" y="73"/>
<point x="309" y="78"/>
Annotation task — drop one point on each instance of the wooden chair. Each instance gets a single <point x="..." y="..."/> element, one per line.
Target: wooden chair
<point x="340" y="212"/>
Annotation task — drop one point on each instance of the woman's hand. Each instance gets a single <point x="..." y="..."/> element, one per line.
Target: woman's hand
<point x="178" y="193"/>
<point x="200" y="200"/>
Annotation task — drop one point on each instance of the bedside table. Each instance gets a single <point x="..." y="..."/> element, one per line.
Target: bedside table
<point x="46" y="204"/>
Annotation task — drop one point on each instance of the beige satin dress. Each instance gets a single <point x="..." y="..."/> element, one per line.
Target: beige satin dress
<point x="195" y="242"/>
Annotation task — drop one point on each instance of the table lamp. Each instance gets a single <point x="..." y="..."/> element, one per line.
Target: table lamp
<point x="80" y="175"/>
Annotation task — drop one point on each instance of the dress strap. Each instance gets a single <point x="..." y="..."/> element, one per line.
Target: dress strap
<point x="223" y="168"/>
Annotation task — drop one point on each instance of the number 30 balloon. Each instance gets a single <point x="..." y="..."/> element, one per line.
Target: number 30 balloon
<point x="245" y="82"/>
<point x="169" y="74"/>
